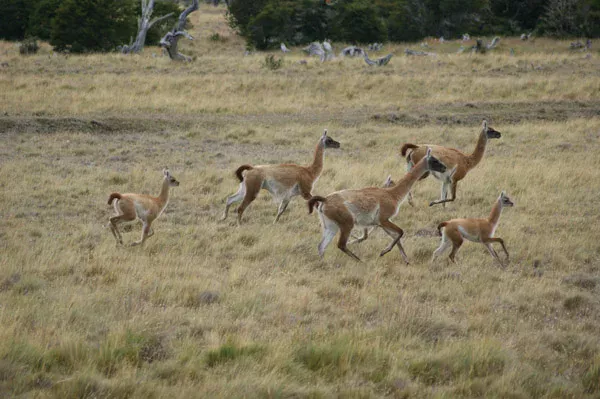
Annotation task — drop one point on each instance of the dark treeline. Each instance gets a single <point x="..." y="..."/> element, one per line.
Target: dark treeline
<point x="102" y="25"/>
<point x="81" y="25"/>
<point x="266" y="23"/>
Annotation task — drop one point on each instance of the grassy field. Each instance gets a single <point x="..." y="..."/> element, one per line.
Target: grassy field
<point x="209" y="309"/>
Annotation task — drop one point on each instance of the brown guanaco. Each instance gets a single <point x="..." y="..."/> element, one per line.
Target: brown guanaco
<point x="366" y="231"/>
<point x="458" y="163"/>
<point x="454" y="231"/>
<point x="283" y="181"/>
<point x="141" y="206"/>
<point x="370" y="206"/>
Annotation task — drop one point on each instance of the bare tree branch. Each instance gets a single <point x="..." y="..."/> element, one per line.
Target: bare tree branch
<point x="144" y="24"/>
<point x="171" y="39"/>
<point x="156" y="20"/>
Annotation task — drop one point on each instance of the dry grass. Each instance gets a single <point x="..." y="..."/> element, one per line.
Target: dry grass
<point x="208" y="309"/>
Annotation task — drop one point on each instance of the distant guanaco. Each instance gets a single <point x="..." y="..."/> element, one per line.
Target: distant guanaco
<point x="458" y="163"/>
<point x="371" y="206"/>
<point x="144" y="207"/>
<point x="477" y="230"/>
<point x="283" y="181"/>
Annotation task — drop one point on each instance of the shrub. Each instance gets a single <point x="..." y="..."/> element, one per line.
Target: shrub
<point x="272" y="63"/>
<point x="340" y="358"/>
<point x="14" y="16"/>
<point x="92" y="25"/>
<point x="239" y="14"/>
<point x="591" y="378"/>
<point x="40" y="19"/>
<point x="272" y="25"/>
<point x="230" y="351"/>
<point x="359" y="22"/>
<point x="29" y="46"/>
<point x="472" y="360"/>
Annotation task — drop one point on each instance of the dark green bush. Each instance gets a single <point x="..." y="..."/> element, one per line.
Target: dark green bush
<point x="359" y="22"/>
<point x="29" y="46"/>
<point x="93" y="25"/>
<point x="272" y="63"/>
<point x="40" y="19"/>
<point x="14" y="16"/>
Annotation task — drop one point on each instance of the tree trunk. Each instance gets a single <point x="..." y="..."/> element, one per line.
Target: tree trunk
<point x="144" y="24"/>
<point x="171" y="39"/>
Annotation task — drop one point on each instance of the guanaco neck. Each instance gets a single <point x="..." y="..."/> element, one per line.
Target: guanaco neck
<point x="317" y="165"/>
<point x="495" y="213"/>
<point x="477" y="155"/>
<point x="163" y="197"/>
<point x="401" y="189"/>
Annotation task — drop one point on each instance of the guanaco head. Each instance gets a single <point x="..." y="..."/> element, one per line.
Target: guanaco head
<point x="388" y="182"/>
<point x="490" y="131"/>
<point x="328" y="142"/>
<point x="504" y="200"/>
<point x="172" y="181"/>
<point x="433" y="163"/>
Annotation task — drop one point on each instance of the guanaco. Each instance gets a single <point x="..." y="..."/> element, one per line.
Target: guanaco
<point x="366" y="231"/>
<point x="144" y="207"/>
<point x="371" y="206"/>
<point x="458" y="163"/>
<point x="477" y="230"/>
<point x="283" y="181"/>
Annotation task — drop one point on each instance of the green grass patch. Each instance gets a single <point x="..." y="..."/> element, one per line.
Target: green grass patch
<point x="342" y="357"/>
<point x="132" y="348"/>
<point x="472" y="360"/>
<point x="230" y="351"/>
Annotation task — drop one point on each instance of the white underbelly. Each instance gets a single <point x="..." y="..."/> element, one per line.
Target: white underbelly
<point x="279" y="191"/>
<point x="470" y="237"/>
<point x="363" y="218"/>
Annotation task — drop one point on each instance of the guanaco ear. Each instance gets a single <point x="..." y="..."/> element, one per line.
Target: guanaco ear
<point x="428" y="152"/>
<point x="325" y="133"/>
<point x="484" y="125"/>
<point x="503" y="194"/>
<point x="166" y="172"/>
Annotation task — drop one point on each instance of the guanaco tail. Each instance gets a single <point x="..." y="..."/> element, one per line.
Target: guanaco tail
<point x="283" y="181"/>
<point x="458" y="163"/>
<point x="128" y="207"/>
<point x="454" y="231"/>
<point x="371" y="206"/>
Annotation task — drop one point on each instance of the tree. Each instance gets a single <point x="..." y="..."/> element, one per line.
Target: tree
<point x="517" y="15"/>
<point x="408" y="22"/>
<point x="92" y="25"/>
<point x="359" y="22"/>
<point x="564" y="18"/>
<point x="240" y="12"/>
<point x="144" y="24"/>
<point x="40" y="19"/>
<point x="157" y="31"/>
<point x="14" y="17"/>
<point x="274" y="24"/>
<point x="171" y="40"/>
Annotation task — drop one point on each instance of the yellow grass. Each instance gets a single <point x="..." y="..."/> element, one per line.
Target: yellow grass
<point x="208" y="309"/>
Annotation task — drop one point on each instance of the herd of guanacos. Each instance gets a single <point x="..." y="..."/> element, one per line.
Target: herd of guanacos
<point x="343" y="210"/>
